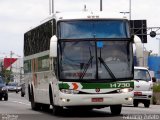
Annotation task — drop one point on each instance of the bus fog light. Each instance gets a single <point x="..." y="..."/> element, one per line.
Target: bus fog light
<point x="129" y="98"/>
<point x="64" y="100"/>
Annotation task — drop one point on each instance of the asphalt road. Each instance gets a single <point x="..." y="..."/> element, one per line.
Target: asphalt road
<point x="18" y="108"/>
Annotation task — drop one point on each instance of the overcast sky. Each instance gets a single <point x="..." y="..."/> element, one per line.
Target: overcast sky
<point x="17" y="16"/>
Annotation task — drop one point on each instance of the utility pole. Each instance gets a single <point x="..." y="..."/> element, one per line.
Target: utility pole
<point x="52" y="6"/>
<point x="11" y="53"/>
<point x="49" y="7"/>
<point x="100" y="5"/>
<point x="10" y="60"/>
<point x="130" y="9"/>
<point x="21" y="69"/>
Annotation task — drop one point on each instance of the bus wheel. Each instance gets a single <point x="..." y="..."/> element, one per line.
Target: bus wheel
<point x="56" y="110"/>
<point x="34" y="105"/>
<point x="116" y="109"/>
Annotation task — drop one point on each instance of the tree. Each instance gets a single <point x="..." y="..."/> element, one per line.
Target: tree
<point x="7" y="75"/>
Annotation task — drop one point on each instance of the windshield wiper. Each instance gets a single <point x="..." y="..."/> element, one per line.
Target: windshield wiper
<point x="86" y="68"/>
<point x="107" y="68"/>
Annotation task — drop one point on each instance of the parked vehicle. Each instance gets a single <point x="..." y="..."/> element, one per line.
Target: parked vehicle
<point x="143" y="86"/>
<point x="13" y="86"/>
<point x="3" y="90"/>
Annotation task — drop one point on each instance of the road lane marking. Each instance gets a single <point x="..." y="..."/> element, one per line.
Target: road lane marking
<point x="21" y="103"/>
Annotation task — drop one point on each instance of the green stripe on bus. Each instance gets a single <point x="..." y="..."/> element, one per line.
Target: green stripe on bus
<point x="108" y="85"/>
<point x="100" y="85"/>
<point x="63" y="86"/>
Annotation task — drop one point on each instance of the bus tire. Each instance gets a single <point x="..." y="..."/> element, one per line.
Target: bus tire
<point x="45" y="107"/>
<point x="34" y="105"/>
<point x="116" y="109"/>
<point x="56" y="110"/>
<point x="50" y="95"/>
<point x="29" y="93"/>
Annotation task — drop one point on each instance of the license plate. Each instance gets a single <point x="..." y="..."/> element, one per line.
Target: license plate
<point x="97" y="99"/>
<point x="137" y="93"/>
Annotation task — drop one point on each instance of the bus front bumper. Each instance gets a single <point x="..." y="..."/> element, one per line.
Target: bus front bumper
<point x="94" y="99"/>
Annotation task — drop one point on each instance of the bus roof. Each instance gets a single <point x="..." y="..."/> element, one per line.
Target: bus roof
<point x="81" y="15"/>
<point x="87" y="15"/>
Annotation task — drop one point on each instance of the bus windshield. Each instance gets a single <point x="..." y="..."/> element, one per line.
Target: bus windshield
<point x="92" y="60"/>
<point x="94" y="50"/>
<point x="93" y="29"/>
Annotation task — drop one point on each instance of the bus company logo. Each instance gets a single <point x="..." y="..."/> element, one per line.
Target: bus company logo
<point x="97" y="90"/>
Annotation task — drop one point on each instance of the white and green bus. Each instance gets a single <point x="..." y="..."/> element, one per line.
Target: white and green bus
<point x="79" y="60"/>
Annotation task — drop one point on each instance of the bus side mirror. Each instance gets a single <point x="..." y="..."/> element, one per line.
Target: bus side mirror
<point x="53" y="46"/>
<point x="153" y="79"/>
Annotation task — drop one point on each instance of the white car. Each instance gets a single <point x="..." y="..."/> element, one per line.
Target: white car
<point x="13" y="86"/>
<point x="143" y="84"/>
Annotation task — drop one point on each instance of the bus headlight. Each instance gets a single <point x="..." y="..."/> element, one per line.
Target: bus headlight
<point x="69" y="91"/>
<point x="125" y="90"/>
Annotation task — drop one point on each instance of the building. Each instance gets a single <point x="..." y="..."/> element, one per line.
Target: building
<point x="15" y="65"/>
